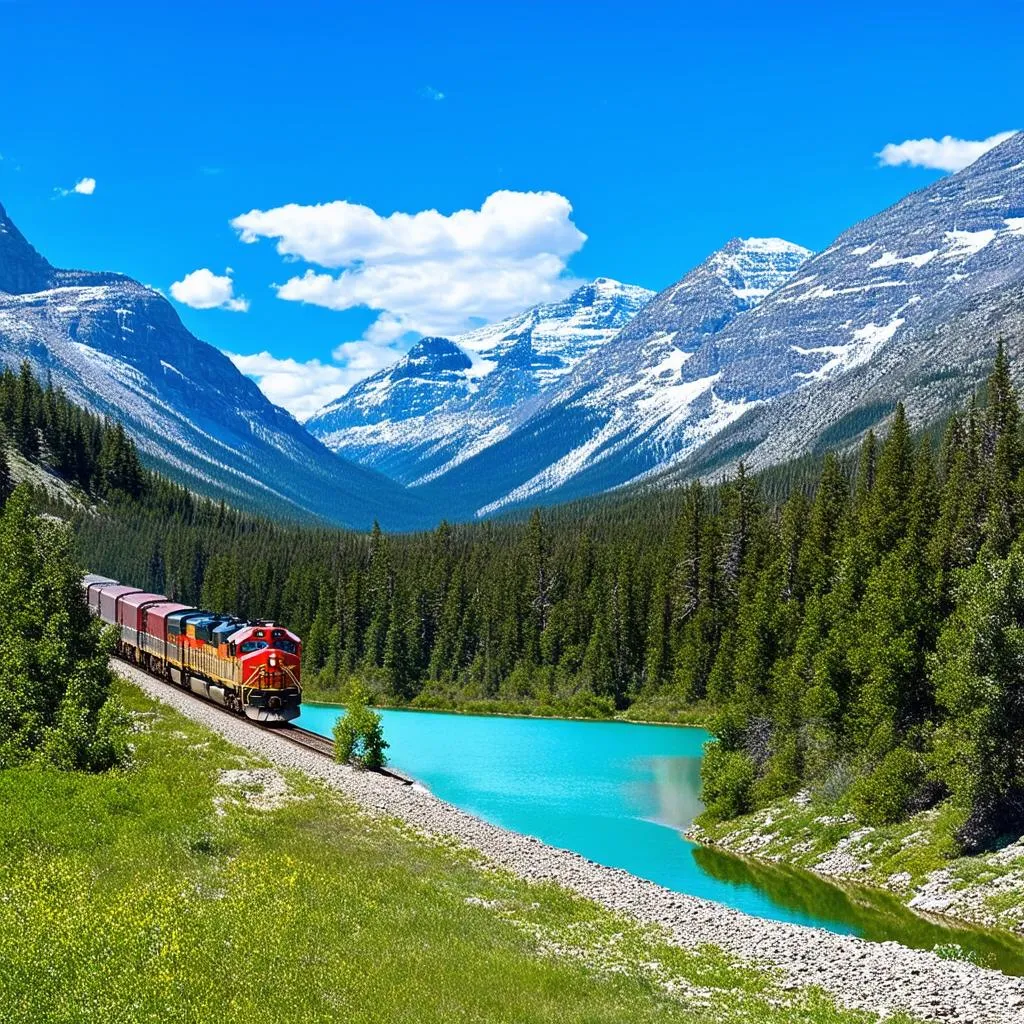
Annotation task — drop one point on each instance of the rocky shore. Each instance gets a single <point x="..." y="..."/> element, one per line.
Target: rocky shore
<point x="881" y="977"/>
<point x="985" y="889"/>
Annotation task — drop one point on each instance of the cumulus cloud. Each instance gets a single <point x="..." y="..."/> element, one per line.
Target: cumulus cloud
<point x="304" y="387"/>
<point x="945" y="154"/>
<point x="433" y="94"/>
<point x="426" y="272"/>
<point x="203" y="289"/>
<point x="82" y="187"/>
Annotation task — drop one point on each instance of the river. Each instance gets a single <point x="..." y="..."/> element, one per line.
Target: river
<point x="622" y="795"/>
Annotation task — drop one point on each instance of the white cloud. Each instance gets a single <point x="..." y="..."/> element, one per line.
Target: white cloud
<point x="426" y="272"/>
<point x="433" y="94"/>
<point x="203" y="289"/>
<point x="422" y="273"/>
<point x="945" y="154"/>
<point x="302" y="388"/>
<point x="82" y="187"/>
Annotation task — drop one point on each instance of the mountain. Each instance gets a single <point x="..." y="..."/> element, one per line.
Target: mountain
<point x="448" y="399"/>
<point x="119" y="348"/>
<point x="640" y="402"/>
<point x="904" y="306"/>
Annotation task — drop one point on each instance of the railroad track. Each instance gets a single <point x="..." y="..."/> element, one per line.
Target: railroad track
<point x="304" y="738"/>
<point x="292" y="733"/>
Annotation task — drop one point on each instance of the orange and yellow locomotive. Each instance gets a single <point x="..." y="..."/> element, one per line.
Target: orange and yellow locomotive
<point x="253" y="668"/>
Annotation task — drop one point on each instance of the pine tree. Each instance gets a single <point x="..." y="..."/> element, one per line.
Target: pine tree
<point x="978" y="668"/>
<point x="889" y="503"/>
<point x="1004" y="452"/>
<point x="6" y="480"/>
<point x="54" y="680"/>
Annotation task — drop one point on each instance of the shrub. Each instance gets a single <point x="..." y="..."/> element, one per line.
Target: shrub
<point x="885" y="795"/>
<point x="727" y="777"/>
<point x="358" y="734"/>
<point x="55" y="702"/>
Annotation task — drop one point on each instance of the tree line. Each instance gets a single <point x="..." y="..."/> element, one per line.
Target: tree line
<point x="875" y="649"/>
<point x="48" y="429"/>
<point x="858" y="636"/>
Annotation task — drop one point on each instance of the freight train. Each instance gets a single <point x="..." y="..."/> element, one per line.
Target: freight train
<point x="252" y="668"/>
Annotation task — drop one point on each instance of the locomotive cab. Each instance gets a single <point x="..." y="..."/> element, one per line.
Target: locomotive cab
<point x="270" y="658"/>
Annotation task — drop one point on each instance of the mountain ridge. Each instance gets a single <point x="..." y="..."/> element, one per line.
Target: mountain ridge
<point x="120" y="348"/>
<point x="623" y="410"/>
<point x="944" y="270"/>
<point x="417" y="425"/>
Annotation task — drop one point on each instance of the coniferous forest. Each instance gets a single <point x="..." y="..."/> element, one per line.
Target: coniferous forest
<point x="860" y="636"/>
<point x="44" y="425"/>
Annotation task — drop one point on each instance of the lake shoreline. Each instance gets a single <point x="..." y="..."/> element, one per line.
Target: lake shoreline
<point x="696" y="724"/>
<point x="878" y="977"/>
<point x="838" y="848"/>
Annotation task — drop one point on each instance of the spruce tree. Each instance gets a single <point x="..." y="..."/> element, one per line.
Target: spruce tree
<point x="6" y="480"/>
<point x="55" y="683"/>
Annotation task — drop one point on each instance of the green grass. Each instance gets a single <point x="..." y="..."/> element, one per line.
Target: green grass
<point x="161" y="892"/>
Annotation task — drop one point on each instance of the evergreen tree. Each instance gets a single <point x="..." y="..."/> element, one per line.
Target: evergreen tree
<point x="55" y="699"/>
<point x="6" y="481"/>
<point x="978" y="670"/>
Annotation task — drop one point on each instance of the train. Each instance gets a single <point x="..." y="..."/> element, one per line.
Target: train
<point x="251" y="668"/>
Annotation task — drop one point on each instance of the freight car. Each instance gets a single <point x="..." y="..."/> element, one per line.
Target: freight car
<point x="252" y="668"/>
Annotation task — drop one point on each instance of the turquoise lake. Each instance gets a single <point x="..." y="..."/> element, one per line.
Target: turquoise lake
<point x="622" y="795"/>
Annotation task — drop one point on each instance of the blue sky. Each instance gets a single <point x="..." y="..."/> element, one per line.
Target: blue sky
<point x="656" y="130"/>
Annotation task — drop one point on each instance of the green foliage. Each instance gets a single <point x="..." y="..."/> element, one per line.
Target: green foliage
<point x="978" y="668"/>
<point x="358" y="734"/>
<point x="54" y="681"/>
<point x="6" y="482"/>
<point x="727" y="778"/>
<point x="884" y="795"/>
<point x="954" y="951"/>
<point x="80" y="447"/>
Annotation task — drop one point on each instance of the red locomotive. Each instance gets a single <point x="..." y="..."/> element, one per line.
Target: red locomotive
<point x="253" y="668"/>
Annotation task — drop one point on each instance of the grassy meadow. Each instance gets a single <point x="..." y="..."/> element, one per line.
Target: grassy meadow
<point x="197" y="885"/>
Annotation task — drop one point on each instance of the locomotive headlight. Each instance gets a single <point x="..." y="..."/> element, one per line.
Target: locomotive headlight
<point x="272" y="661"/>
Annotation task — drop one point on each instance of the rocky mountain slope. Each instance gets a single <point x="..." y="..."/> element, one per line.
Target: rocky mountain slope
<point x="905" y="306"/>
<point x="642" y="401"/>
<point x="448" y="399"/>
<point x="120" y="348"/>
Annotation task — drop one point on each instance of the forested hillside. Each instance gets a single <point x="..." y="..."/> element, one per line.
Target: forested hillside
<point x="83" y="449"/>
<point x="859" y="636"/>
<point x="876" y="651"/>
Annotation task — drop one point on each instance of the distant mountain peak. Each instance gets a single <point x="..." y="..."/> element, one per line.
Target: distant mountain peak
<point x="22" y="268"/>
<point x="446" y="397"/>
<point x="436" y="354"/>
<point x="754" y="267"/>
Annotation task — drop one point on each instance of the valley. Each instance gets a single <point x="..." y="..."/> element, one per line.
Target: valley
<point x="690" y="618"/>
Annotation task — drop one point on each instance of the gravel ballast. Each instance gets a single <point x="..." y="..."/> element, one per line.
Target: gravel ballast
<point x="882" y="977"/>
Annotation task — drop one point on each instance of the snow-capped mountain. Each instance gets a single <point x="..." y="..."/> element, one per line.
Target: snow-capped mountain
<point x="120" y="348"/>
<point x="904" y="306"/>
<point x="448" y="399"/>
<point x="641" y="402"/>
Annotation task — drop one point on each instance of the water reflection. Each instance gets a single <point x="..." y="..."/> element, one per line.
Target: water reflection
<point x="866" y="912"/>
<point x="669" y="791"/>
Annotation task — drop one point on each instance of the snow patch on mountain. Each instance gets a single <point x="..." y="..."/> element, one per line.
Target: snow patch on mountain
<point x="433" y="409"/>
